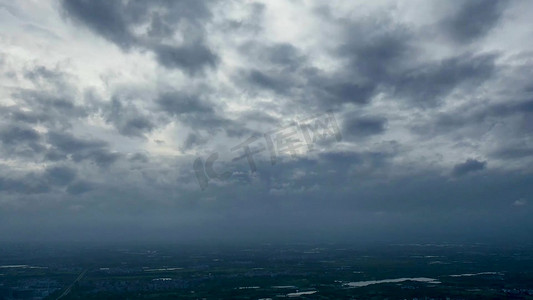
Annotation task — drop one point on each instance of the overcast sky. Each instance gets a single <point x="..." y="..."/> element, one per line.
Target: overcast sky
<point x="106" y="105"/>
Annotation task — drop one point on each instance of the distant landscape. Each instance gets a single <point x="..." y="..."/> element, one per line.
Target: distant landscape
<point x="409" y="271"/>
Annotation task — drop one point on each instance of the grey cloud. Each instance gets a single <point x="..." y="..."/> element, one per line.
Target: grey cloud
<point x="55" y="155"/>
<point x="109" y="19"/>
<point x="38" y="183"/>
<point x="127" y="118"/>
<point x="284" y="55"/>
<point x="192" y="58"/>
<point x="274" y="81"/>
<point x="338" y="93"/>
<point x="508" y="152"/>
<point x="70" y="144"/>
<point x="469" y="166"/>
<point x="42" y="72"/>
<point x="116" y="22"/>
<point x="177" y="103"/>
<point x="474" y="19"/>
<point x="20" y="140"/>
<point x="276" y="68"/>
<point x="82" y="149"/>
<point x="345" y="159"/>
<point x="387" y="58"/>
<point x="28" y="184"/>
<point x="48" y="97"/>
<point x="79" y="187"/>
<point x="193" y="140"/>
<point x="16" y="134"/>
<point x="27" y="117"/>
<point x="364" y="126"/>
<point x="102" y="157"/>
<point x="378" y="59"/>
<point x="480" y="119"/>
<point x="283" y="70"/>
<point x="139" y="157"/>
<point x="136" y="126"/>
<point x="199" y="113"/>
<point x="375" y="52"/>
<point x="60" y="175"/>
<point x="506" y="109"/>
<point x="333" y="172"/>
<point x="257" y="116"/>
<point x="428" y="83"/>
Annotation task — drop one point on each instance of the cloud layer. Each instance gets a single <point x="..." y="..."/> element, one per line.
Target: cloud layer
<point x="106" y="105"/>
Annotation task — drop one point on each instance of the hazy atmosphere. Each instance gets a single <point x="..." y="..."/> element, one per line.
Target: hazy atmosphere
<point x="266" y="121"/>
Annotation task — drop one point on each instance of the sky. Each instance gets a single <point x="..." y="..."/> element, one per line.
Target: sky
<point x="266" y="121"/>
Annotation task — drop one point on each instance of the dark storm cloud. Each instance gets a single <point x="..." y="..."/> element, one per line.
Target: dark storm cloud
<point x="481" y="118"/>
<point x="67" y="145"/>
<point x="505" y="109"/>
<point x="28" y="184"/>
<point x="257" y="116"/>
<point x="382" y="57"/>
<point x="38" y="183"/>
<point x="364" y="126"/>
<point x="388" y="58"/>
<point x="338" y="92"/>
<point x="283" y="55"/>
<point x="40" y="72"/>
<point x="50" y="99"/>
<point x="278" y="67"/>
<point x="192" y="58"/>
<point x="378" y="58"/>
<point x="194" y="140"/>
<point x="347" y="159"/>
<point x="101" y="157"/>
<point x="55" y="155"/>
<point x="469" y="166"/>
<point x="79" y="187"/>
<point x="136" y="126"/>
<point x="127" y="118"/>
<point x="427" y="84"/>
<point x="116" y="21"/>
<point x="139" y="157"/>
<point x="60" y="175"/>
<point x="47" y="106"/>
<point x="20" y="140"/>
<point x="108" y="18"/>
<point x="284" y="70"/>
<point x="331" y="172"/>
<point x="199" y="113"/>
<point x="474" y="19"/>
<point x="513" y="153"/>
<point x="16" y="134"/>
<point x="177" y="103"/>
<point x="375" y="56"/>
<point x="375" y="52"/>
<point x="270" y="81"/>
